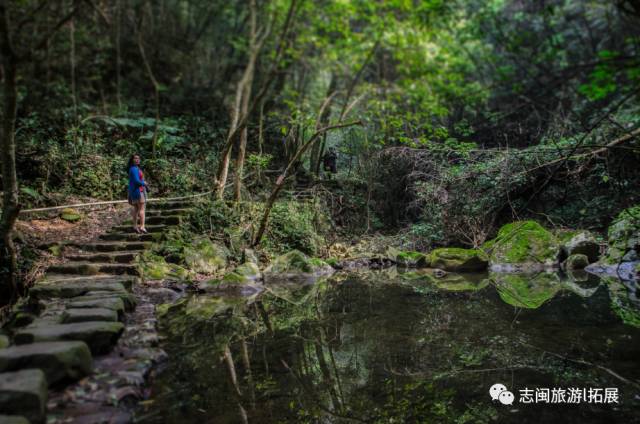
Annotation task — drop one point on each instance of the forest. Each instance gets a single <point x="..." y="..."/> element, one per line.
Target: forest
<point x="319" y="211"/>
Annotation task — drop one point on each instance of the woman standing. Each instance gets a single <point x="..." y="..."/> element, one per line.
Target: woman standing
<point x="137" y="193"/>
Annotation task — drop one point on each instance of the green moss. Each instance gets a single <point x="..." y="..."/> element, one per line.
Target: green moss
<point x="333" y="262"/>
<point x="412" y="259"/>
<point x="523" y="242"/>
<point x="205" y="256"/>
<point x="449" y="282"/>
<point x="623" y="234"/>
<point x="458" y="259"/>
<point x="70" y="215"/>
<point x="154" y="267"/>
<point x="526" y="290"/>
<point x="577" y="261"/>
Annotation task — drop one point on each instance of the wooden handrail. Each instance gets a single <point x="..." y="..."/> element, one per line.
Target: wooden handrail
<point x="112" y="202"/>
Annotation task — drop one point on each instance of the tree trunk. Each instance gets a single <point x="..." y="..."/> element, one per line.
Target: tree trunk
<point x="223" y="166"/>
<point x="10" y="207"/>
<point x="156" y="90"/>
<point x="281" y="179"/>
<point x="118" y="55"/>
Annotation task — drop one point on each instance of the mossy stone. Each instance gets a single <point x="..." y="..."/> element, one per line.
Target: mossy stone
<point x="412" y="259"/>
<point x="70" y="215"/>
<point x="459" y="260"/>
<point x="574" y="242"/>
<point x="624" y="236"/>
<point x="577" y="261"/>
<point x="244" y="273"/>
<point x="65" y="360"/>
<point x="205" y="256"/>
<point x="24" y="393"/>
<point x="523" y="243"/>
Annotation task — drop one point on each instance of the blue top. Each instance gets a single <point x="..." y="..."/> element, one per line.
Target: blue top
<point x="135" y="182"/>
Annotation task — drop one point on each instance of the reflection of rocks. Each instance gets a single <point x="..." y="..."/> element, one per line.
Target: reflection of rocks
<point x="526" y="290"/>
<point x="446" y="281"/>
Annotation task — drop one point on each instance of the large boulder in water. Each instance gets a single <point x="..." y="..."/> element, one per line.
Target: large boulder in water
<point x="623" y="255"/>
<point x="578" y="242"/>
<point x="624" y="237"/>
<point x="522" y="246"/>
<point x="459" y="260"/>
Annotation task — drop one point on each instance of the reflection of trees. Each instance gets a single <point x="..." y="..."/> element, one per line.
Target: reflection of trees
<point x="362" y="351"/>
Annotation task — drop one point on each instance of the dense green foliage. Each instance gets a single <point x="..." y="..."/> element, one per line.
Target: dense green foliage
<point x="462" y="115"/>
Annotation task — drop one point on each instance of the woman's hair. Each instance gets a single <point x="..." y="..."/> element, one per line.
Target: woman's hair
<point x="130" y="164"/>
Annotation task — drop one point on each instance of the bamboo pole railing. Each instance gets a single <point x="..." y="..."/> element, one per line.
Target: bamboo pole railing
<point x="113" y="202"/>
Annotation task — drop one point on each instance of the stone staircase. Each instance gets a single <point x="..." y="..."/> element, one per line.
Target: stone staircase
<point x="84" y="306"/>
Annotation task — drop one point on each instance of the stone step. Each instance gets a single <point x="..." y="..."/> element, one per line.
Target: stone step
<point x="13" y="419"/>
<point x="100" y="336"/>
<point x="122" y="257"/>
<point x="83" y="302"/>
<point x="60" y="361"/>
<point x="128" y="299"/>
<point x="24" y="393"/>
<point x="167" y="212"/>
<point x="158" y="220"/>
<point x="129" y="229"/>
<point x="63" y="286"/>
<point x="93" y="268"/>
<point x="113" y="246"/>
<point x="71" y="315"/>
<point x="128" y="237"/>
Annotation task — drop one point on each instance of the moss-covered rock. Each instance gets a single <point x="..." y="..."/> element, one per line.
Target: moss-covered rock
<point x="70" y="215"/>
<point x="155" y="267"/>
<point x="245" y="273"/>
<point x="526" y="290"/>
<point x="412" y="259"/>
<point x="576" y="261"/>
<point x="459" y="260"/>
<point x="522" y="246"/>
<point x="624" y="237"/>
<point x="573" y="242"/>
<point x="205" y="256"/>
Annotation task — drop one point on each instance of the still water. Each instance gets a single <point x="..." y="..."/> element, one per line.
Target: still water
<point x="393" y="347"/>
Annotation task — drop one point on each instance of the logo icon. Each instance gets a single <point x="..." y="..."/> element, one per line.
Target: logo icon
<point x="499" y="392"/>
<point x="496" y="389"/>
<point x="506" y="398"/>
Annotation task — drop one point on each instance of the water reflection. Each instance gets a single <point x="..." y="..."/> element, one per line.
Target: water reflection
<point x="397" y="347"/>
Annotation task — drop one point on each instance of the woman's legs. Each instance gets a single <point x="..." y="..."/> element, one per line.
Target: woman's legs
<point x="141" y="214"/>
<point x="134" y="216"/>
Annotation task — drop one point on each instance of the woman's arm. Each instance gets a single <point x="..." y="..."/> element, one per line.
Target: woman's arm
<point x="134" y="175"/>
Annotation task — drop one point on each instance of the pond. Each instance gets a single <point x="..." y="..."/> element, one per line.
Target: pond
<point x="393" y="347"/>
